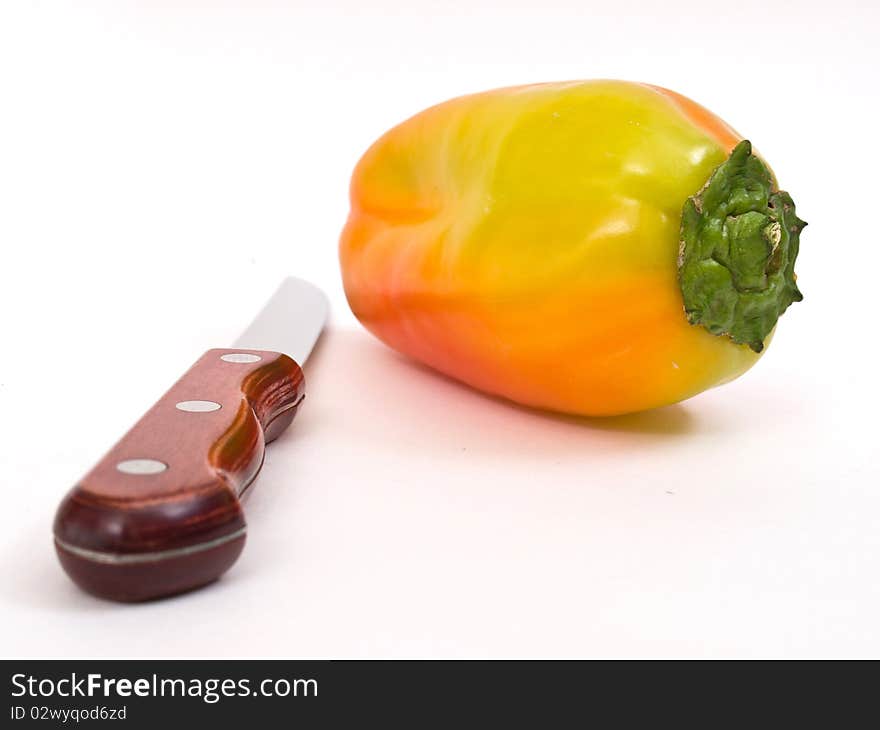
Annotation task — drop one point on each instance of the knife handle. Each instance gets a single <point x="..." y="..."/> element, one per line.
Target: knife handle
<point x="161" y="512"/>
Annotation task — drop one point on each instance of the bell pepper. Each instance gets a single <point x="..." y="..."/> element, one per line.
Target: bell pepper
<point x="595" y="247"/>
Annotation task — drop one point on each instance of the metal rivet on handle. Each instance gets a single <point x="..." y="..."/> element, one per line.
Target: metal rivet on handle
<point x="141" y="466"/>
<point x="240" y="357"/>
<point x="197" y="406"/>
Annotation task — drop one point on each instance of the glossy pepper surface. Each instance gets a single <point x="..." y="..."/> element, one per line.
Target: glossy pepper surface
<point x="596" y="247"/>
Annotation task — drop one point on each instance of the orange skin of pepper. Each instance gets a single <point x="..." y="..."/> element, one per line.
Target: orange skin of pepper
<point x="525" y="241"/>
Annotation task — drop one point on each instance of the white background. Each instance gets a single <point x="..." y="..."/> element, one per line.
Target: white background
<point x="164" y="164"/>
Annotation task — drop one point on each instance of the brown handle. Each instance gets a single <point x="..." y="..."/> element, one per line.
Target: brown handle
<point x="161" y="513"/>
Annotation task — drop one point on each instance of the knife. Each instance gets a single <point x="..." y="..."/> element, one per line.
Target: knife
<point x="161" y="512"/>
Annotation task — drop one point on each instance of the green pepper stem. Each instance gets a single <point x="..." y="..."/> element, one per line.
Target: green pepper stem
<point x="739" y="242"/>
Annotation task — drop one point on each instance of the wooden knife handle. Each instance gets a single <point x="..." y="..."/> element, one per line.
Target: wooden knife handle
<point x="161" y="513"/>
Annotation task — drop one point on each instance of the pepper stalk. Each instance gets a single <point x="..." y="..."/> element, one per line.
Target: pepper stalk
<point x="739" y="242"/>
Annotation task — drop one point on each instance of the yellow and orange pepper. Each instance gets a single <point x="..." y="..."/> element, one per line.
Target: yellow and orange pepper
<point x="596" y="247"/>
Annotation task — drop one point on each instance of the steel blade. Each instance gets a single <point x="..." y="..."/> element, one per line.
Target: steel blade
<point x="290" y="322"/>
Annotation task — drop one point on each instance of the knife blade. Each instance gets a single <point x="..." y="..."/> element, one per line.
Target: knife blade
<point x="161" y="513"/>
